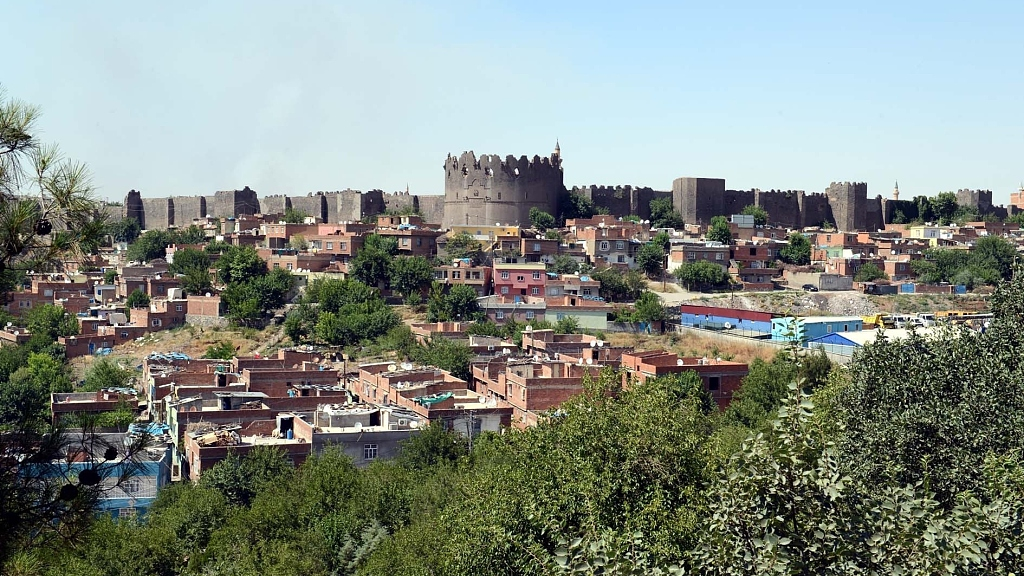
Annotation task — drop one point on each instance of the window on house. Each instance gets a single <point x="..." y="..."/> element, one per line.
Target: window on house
<point x="456" y="274"/>
<point x="718" y="256"/>
<point x="536" y="246"/>
<point x="620" y="245"/>
<point x="369" y="451"/>
<point x="753" y="251"/>
<point x="828" y="327"/>
<point x="405" y="241"/>
<point x="691" y="255"/>
<point x="604" y="246"/>
<point x="419" y="241"/>
<point x="529" y="314"/>
<point x="277" y="265"/>
<point x="535" y="290"/>
<point x="504" y="289"/>
<point x="714" y="383"/>
<point x="131" y="512"/>
<point x="621" y="259"/>
<point x="178" y="308"/>
<point x="330" y="245"/>
<point x="124" y="334"/>
<point x="289" y="266"/>
<point x="536" y="275"/>
<point x="504" y="275"/>
<point x="500" y="315"/>
<point x="344" y="245"/>
<point x="520" y="278"/>
<point x="586" y="291"/>
<point x="846" y="327"/>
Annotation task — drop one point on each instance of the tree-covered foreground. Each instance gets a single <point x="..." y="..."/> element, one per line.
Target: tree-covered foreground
<point x="906" y="462"/>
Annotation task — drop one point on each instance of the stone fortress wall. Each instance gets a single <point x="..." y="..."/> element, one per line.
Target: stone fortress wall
<point x="489" y="190"/>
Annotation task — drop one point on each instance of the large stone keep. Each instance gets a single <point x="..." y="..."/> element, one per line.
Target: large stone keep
<point x="489" y="190"/>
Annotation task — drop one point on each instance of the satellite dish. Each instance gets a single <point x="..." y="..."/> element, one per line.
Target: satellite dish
<point x="505" y="351"/>
<point x="406" y="366"/>
<point x="679" y="362"/>
<point x="593" y="343"/>
<point x="316" y="359"/>
<point x="414" y="424"/>
<point x="392" y="367"/>
<point x="600" y="343"/>
<point x="727" y="325"/>
<point x="528" y="328"/>
<point x="590" y="361"/>
<point x="208" y="294"/>
<point x="580" y="361"/>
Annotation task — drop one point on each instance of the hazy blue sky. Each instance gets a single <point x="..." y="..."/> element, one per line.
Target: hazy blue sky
<point x="290" y="97"/>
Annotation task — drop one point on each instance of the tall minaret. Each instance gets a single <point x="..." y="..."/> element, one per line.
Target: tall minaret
<point x="556" y="156"/>
<point x="896" y="191"/>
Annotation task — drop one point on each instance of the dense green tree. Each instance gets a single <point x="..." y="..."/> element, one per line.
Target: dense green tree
<point x="216" y="247"/>
<point x="450" y="355"/>
<point x="663" y="215"/>
<point x="220" y="351"/>
<point x="995" y="253"/>
<point x="197" y="281"/>
<point x="663" y="240"/>
<point x="434" y="446"/>
<point x="575" y="205"/>
<point x="564" y="264"/>
<point x="701" y="274"/>
<point x="944" y="207"/>
<point x="124" y="230"/>
<point x="1017" y="219"/>
<point x="648" y="308"/>
<point x="540" y="219"/>
<point x="293" y="216"/>
<point x="372" y="264"/>
<point x="931" y="408"/>
<point x="619" y="287"/>
<point x="240" y="479"/>
<point x="50" y="321"/>
<point x="109" y="276"/>
<point x="106" y="373"/>
<point x="988" y="262"/>
<point x="869" y="272"/>
<point x="411" y="274"/>
<point x="149" y="246"/>
<point x="567" y="325"/>
<point x="457" y="304"/>
<point x="137" y="299"/>
<point x="298" y="242"/>
<point x="785" y="505"/>
<point x="462" y="245"/>
<point x="651" y="259"/>
<point x="797" y="251"/>
<point x="240" y="264"/>
<point x="760" y="214"/>
<point x="719" y="230"/>
<point x="340" y="313"/>
<point x="25" y="395"/>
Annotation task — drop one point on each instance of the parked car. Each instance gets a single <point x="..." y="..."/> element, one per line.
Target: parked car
<point x="809" y="288"/>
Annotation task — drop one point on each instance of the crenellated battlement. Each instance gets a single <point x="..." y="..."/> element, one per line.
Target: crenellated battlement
<point x="489" y="189"/>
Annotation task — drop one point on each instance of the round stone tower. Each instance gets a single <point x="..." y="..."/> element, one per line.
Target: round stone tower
<point x="489" y="190"/>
